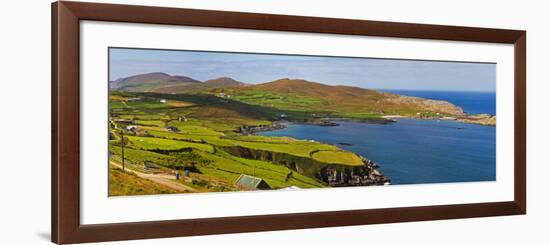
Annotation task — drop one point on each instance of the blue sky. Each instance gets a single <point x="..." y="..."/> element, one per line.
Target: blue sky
<point x="260" y="68"/>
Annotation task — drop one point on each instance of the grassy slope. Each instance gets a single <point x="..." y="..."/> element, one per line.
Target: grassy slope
<point x="201" y="138"/>
<point x="302" y="99"/>
<point x="229" y="167"/>
<point x="340" y="157"/>
<point x="313" y="98"/>
<point x="137" y="156"/>
<point x="152" y="143"/>
<point x="124" y="183"/>
<point x="220" y="165"/>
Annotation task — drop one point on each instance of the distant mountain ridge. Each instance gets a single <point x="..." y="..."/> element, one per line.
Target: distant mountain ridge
<point x="355" y="98"/>
<point x="164" y="83"/>
<point x="148" y="82"/>
<point x="332" y="97"/>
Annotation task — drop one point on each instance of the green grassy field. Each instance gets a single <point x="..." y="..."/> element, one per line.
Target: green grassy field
<point x="152" y="143"/>
<point x="298" y="107"/>
<point x="339" y="157"/>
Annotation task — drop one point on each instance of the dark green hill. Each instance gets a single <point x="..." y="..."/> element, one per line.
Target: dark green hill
<point x="150" y="82"/>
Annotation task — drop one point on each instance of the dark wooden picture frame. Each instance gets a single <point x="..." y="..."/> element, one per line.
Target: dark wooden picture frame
<point x="65" y="181"/>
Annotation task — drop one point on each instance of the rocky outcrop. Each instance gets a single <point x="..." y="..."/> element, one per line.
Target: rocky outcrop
<point x="247" y="130"/>
<point x="322" y="123"/>
<point x="436" y="106"/>
<point x="481" y="119"/>
<point x="365" y="175"/>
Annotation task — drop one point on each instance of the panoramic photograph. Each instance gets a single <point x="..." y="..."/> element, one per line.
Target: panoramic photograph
<point x="203" y="121"/>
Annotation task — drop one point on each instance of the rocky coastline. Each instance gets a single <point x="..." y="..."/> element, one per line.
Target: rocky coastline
<point x="327" y="122"/>
<point x="366" y="175"/>
<point x="332" y="121"/>
<point x="254" y="129"/>
<point x="479" y="119"/>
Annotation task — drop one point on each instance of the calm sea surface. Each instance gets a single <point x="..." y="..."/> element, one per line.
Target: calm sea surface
<point x="413" y="151"/>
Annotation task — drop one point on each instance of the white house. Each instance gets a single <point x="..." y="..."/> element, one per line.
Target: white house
<point x="132" y="128"/>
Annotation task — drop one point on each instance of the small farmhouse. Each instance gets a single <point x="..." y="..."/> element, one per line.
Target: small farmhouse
<point x="247" y="182"/>
<point x="132" y="128"/>
<point x="162" y="101"/>
<point x="171" y="129"/>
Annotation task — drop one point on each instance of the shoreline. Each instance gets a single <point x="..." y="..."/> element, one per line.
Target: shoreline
<point x="478" y="119"/>
<point x="253" y="130"/>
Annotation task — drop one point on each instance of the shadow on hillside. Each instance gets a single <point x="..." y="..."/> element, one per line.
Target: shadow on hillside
<point x="252" y="111"/>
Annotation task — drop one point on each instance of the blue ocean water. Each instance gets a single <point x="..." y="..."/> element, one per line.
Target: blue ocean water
<point x="413" y="151"/>
<point x="471" y="102"/>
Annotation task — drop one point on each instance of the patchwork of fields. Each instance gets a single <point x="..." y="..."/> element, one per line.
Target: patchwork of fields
<point x="198" y="134"/>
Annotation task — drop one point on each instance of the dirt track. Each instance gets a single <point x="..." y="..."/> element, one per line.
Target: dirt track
<point x="163" y="179"/>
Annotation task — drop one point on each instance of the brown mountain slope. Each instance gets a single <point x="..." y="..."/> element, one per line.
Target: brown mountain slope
<point x="345" y="94"/>
<point x="180" y="88"/>
<point x="224" y="82"/>
<point x="354" y="99"/>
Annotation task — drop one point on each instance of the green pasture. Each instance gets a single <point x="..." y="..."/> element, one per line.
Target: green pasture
<point x="151" y="143"/>
<point x="338" y="157"/>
